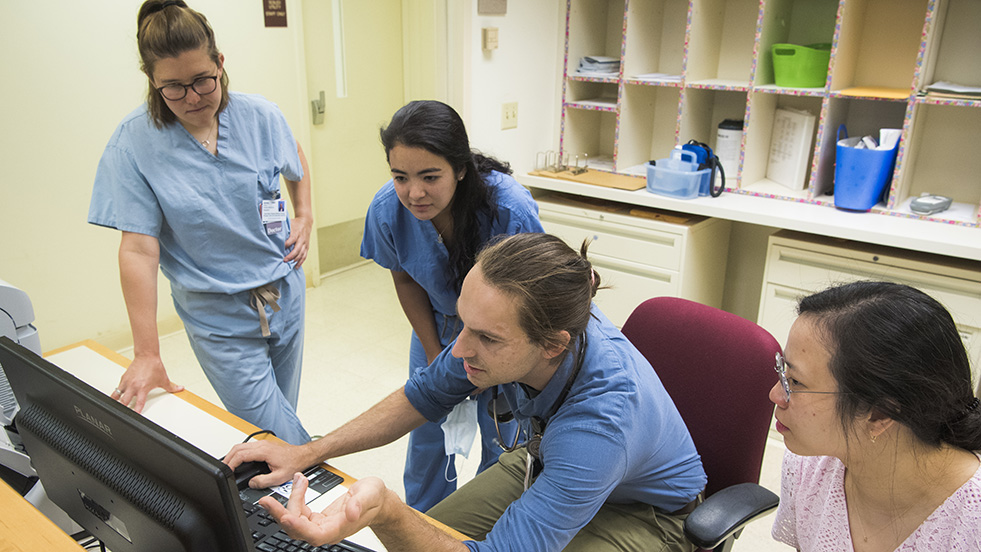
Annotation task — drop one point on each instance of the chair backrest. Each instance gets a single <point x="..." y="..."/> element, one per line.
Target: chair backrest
<point x="718" y="368"/>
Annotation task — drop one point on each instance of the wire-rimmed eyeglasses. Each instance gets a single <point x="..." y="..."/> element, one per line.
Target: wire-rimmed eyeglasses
<point x="781" y="368"/>
<point x="177" y="91"/>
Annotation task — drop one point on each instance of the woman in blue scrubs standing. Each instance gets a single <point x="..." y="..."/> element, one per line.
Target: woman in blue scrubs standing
<point x="426" y="225"/>
<point x="192" y="179"/>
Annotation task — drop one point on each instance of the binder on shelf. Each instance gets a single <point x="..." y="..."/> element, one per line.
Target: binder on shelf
<point x="790" y="146"/>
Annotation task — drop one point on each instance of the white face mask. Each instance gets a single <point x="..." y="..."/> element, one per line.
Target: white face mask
<point x="460" y="428"/>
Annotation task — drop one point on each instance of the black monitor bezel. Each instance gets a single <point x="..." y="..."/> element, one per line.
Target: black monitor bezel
<point x="211" y="513"/>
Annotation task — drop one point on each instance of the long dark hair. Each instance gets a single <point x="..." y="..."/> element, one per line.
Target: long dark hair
<point x="168" y="28"/>
<point x="895" y="349"/>
<point x="437" y="128"/>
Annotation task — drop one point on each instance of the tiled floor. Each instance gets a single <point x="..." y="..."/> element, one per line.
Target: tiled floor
<point x="356" y="351"/>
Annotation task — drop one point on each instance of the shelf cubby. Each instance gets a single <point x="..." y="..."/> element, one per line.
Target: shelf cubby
<point x="648" y="126"/>
<point x="591" y="93"/>
<point x="590" y="134"/>
<point x="702" y="109"/>
<point x="720" y="42"/>
<point x="860" y="117"/>
<point x="655" y="40"/>
<point x="877" y="45"/>
<point x="957" y="33"/>
<point x="934" y="167"/>
<point x="598" y="29"/>
<point x="802" y="22"/>
<point x="758" y="134"/>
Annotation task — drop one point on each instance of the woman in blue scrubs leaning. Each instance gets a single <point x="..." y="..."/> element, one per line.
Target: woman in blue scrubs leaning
<point x="426" y="225"/>
<point x="192" y="179"/>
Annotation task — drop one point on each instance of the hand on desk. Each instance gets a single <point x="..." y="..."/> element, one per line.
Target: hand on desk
<point x="143" y="375"/>
<point x="342" y="518"/>
<point x="283" y="459"/>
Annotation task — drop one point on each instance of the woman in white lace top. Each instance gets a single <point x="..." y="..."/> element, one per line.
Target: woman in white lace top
<point x="881" y="424"/>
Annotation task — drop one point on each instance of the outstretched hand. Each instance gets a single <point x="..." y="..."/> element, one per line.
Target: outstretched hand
<point x="142" y="376"/>
<point x="342" y="518"/>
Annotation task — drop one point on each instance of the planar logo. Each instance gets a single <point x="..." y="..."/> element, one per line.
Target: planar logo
<point x="93" y="420"/>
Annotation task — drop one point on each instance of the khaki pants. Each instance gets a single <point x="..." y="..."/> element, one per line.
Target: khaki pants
<point x="475" y="507"/>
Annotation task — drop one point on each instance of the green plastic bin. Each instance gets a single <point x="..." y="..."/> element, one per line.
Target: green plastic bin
<point x="798" y="66"/>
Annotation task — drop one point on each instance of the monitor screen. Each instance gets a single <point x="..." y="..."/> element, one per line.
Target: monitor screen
<point x="131" y="483"/>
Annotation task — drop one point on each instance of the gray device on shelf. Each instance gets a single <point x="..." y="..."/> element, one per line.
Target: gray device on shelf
<point x="930" y="204"/>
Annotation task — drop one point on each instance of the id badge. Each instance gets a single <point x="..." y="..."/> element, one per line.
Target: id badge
<point x="273" y="215"/>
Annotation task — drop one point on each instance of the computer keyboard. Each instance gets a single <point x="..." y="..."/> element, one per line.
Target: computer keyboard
<point x="266" y="533"/>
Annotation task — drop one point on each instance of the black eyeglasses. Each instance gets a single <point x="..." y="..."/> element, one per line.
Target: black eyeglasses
<point x="177" y="91"/>
<point x="781" y="368"/>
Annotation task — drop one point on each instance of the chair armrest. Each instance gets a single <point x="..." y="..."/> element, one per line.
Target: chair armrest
<point x="726" y="512"/>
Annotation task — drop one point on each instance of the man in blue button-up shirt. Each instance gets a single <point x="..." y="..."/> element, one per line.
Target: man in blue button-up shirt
<point x="610" y="443"/>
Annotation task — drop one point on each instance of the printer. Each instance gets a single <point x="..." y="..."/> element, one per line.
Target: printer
<point x="16" y="317"/>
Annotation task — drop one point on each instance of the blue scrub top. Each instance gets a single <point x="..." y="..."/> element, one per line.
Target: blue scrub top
<point x="617" y="438"/>
<point x="204" y="209"/>
<point x="395" y="239"/>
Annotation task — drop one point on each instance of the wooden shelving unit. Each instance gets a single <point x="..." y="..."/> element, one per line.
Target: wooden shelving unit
<point x="687" y="65"/>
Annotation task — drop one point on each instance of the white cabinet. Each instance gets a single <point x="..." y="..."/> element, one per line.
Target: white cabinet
<point x="642" y="253"/>
<point x="800" y="264"/>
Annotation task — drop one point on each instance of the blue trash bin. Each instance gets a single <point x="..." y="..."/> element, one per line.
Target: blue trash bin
<point x="861" y="175"/>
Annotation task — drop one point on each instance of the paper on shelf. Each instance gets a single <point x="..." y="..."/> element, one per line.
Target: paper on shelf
<point x="658" y="77"/>
<point x="790" y="144"/>
<point x="596" y="74"/>
<point x="954" y="88"/>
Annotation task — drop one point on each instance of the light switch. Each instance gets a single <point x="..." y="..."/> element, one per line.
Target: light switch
<point x="509" y="115"/>
<point x="489" y="35"/>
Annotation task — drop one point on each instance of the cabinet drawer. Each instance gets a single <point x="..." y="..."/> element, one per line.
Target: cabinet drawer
<point x="813" y="271"/>
<point x="618" y="241"/>
<point x="630" y="284"/>
<point x="795" y="268"/>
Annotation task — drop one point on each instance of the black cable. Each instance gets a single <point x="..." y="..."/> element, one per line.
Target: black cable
<point x="260" y="432"/>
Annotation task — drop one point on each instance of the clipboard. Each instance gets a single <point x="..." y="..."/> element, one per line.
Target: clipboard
<point x="598" y="178"/>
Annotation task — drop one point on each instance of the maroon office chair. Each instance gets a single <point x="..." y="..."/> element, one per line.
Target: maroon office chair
<point x="718" y="369"/>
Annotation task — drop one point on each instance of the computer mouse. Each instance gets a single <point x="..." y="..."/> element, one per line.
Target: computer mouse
<point x="247" y="470"/>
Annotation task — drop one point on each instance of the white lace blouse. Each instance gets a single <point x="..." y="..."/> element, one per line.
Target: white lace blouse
<point x="813" y="516"/>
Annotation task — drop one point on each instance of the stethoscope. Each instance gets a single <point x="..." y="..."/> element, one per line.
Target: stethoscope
<point x="537" y="424"/>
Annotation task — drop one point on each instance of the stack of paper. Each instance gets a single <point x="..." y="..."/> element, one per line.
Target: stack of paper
<point x="658" y="77"/>
<point x="599" y="65"/>
<point x="952" y="90"/>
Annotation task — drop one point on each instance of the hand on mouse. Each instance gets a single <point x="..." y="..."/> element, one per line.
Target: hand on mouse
<point x="283" y="459"/>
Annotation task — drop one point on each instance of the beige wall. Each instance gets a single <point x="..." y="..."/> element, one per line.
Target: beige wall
<point x="525" y="68"/>
<point x="70" y="73"/>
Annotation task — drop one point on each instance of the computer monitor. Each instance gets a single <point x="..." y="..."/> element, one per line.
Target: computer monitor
<point x="131" y="483"/>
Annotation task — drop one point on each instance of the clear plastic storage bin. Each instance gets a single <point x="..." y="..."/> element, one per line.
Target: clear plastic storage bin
<point x="677" y="176"/>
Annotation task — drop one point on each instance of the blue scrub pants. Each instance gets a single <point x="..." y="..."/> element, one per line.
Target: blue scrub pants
<point x="426" y="470"/>
<point x="257" y="378"/>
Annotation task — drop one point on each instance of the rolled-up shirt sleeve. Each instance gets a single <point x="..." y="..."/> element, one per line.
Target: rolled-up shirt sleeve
<point x="437" y="388"/>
